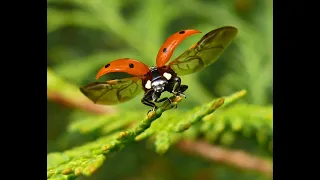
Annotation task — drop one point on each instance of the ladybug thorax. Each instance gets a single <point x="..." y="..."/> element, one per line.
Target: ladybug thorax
<point x="158" y="80"/>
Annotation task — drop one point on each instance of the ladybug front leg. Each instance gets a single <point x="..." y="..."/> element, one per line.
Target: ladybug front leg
<point x="179" y="89"/>
<point x="182" y="89"/>
<point x="147" y="100"/>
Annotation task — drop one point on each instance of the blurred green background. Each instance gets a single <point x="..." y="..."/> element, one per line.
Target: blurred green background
<point x="85" y="35"/>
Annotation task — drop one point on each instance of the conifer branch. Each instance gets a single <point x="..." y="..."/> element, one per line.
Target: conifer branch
<point x="235" y="158"/>
<point x="151" y="116"/>
<point x="88" y="158"/>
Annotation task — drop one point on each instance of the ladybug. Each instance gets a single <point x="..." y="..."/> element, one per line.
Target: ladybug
<point x="164" y="76"/>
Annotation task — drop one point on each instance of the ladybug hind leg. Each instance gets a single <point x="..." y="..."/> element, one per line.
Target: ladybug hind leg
<point x="166" y="99"/>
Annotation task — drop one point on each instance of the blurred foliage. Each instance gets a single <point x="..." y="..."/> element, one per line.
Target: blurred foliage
<point x="83" y="36"/>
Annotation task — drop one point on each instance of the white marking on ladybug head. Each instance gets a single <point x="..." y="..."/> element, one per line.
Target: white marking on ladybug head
<point x="167" y="75"/>
<point x="148" y="85"/>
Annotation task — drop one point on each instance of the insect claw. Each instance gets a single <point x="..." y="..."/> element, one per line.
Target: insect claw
<point x="179" y="94"/>
<point x="175" y="93"/>
<point x="171" y="104"/>
<point x="182" y="94"/>
<point x="153" y="109"/>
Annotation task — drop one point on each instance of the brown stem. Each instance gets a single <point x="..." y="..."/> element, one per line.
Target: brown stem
<point x="238" y="159"/>
<point x="81" y="103"/>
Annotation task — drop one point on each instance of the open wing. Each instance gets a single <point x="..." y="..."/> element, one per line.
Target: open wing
<point x="204" y="52"/>
<point x="114" y="91"/>
<point x="124" y="65"/>
<point x="166" y="50"/>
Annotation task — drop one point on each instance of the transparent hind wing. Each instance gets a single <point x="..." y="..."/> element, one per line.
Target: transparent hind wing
<point x="114" y="91"/>
<point x="205" y="52"/>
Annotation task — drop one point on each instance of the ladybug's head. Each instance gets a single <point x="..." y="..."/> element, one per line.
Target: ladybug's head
<point x="159" y="84"/>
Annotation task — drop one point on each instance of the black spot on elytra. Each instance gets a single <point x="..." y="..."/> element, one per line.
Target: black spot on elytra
<point x="181" y="32"/>
<point x="164" y="50"/>
<point x="131" y="65"/>
<point x="107" y="65"/>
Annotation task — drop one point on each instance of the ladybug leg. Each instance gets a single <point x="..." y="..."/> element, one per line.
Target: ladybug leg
<point x="179" y="89"/>
<point x="182" y="89"/>
<point x="147" y="100"/>
<point x="176" y="85"/>
<point x="163" y="99"/>
<point x="148" y="103"/>
<point x="166" y="99"/>
<point x="153" y="109"/>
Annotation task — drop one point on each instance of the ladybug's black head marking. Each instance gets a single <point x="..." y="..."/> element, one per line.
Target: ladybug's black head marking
<point x="107" y="65"/>
<point x="181" y="32"/>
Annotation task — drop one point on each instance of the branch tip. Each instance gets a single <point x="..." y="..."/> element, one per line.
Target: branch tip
<point x="122" y="135"/>
<point x="49" y="174"/>
<point x="242" y="93"/>
<point x="90" y="170"/>
<point x="151" y="114"/>
<point x="67" y="171"/>
<point x="183" y="127"/>
<point x="106" y="147"/>
<point x="218" y="103"/>
<point x="77" y="171"/>
<point x="234" y="97"/>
